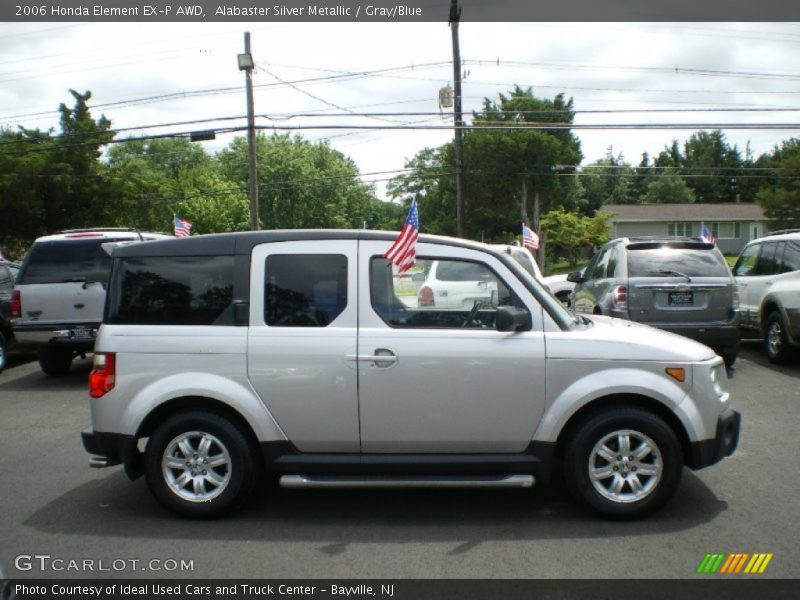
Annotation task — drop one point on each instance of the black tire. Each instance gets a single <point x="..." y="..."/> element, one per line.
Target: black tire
<point x="3" y="352"/>
<point x="238" y="473"/>
<point x="777" y="346"/>
<point x="641" y="426"/>
<point x="55" y="362"/>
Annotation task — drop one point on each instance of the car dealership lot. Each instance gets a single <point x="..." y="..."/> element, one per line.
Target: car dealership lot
<point x="52" y="504"/>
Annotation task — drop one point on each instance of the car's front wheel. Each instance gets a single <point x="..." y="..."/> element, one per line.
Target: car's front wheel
<point x="624" y="463"/>
<point x="776" y="341"/>
<point x="200" y="464"/>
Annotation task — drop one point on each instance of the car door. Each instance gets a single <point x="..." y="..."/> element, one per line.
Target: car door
<point x="753" y="285"/>
<point x="435" y="379"/>
<point x="744" y="271"/>
<point x="591" y="294"/>
<point x="303" y="323"/>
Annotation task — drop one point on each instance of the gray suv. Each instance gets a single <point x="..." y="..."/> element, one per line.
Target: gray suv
<point x="304" y="355"/>
<point x="683" y="285"/>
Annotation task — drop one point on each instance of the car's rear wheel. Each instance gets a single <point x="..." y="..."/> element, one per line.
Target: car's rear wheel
<point x="200" y="465"/>
<point x="624" y="463"/>
<point x="55" y="362"/>
<point x="776" y="341"/>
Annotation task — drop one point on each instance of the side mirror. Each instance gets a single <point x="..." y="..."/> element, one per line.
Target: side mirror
<point x="576" y="277"/>
<point x="511" y="318"/>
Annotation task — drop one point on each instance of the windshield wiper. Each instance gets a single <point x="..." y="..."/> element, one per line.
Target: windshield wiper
<point x="672" y="273"/>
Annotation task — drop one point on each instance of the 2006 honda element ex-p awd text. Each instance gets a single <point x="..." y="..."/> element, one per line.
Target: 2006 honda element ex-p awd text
<point x="304" y="356"/>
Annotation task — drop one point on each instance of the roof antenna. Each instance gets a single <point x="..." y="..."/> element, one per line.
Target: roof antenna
<point x="139" y="233"/>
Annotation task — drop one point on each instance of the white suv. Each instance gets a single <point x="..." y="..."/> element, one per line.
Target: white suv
<point x="58" y="297"/>
<point x="768" y="276"/>
<point x="290" y="353"/>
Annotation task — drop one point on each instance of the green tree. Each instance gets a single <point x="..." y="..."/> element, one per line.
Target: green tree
<point x="668" y="188"/>
<point x="152" y="177"/>
<point x="506" y="168"/>
<point x="302" y="184"/>
<point x="568" y="234"/>
<point x="52" y="181"/>
<point x="780" y="196"/>
<point x="609" y="180"/>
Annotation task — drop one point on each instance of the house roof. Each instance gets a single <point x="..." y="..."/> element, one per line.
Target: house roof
<point x="729" y="211"/>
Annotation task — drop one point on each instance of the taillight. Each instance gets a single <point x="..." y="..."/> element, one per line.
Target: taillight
<point x="103" y="375"/>
<point x="425" y="296"/>
<point x="621" y="296"/>
<point x="16" y="305"/>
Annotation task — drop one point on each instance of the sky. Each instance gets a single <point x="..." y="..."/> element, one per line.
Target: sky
<point x="161" y="73"/>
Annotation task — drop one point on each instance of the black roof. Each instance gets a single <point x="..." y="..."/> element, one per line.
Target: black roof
<point x="242" y="242"/>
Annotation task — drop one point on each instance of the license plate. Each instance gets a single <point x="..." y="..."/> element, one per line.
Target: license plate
<point x="681" y="298"/>
<point x="82" y="333"/>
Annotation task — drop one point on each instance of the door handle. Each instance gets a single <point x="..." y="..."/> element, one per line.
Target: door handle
<point x="381" y="358"/>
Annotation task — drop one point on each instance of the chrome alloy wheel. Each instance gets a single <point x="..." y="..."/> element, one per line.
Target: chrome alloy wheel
<point x="775" y="338"/>
<point x="196" y="466"/>
<point x="625" y="466"/>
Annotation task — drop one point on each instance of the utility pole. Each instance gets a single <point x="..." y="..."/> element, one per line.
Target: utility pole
<point x="246" y="64"/>
<point x="455" y="15"/>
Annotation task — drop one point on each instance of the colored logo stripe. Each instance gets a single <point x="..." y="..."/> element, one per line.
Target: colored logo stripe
<point x="734" y="563"/>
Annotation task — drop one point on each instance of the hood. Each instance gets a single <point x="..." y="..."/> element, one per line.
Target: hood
<point x="608" y="338"/>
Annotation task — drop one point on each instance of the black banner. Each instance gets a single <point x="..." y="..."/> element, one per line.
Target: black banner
<point x="734" y="588"/>
<point x="397" y="11"/>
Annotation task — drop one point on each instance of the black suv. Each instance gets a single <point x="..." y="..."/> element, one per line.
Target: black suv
<point x="682" y="285"/>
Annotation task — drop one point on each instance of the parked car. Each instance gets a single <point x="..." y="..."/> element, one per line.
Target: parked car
<point x="8" y="273"/>
<point x="222" y="356"/>
<point x="766" y="273"/>
<point x="561" y="287"/>
<point x="683" y="285"/>
<point x="456" y="286"/>
<point x="60" y="291"/>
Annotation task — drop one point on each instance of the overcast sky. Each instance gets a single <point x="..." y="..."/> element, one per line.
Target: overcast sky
<point x="615" y="67"/>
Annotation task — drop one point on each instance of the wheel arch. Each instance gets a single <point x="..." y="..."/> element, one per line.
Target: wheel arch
<point x="767" y="307"/>
<point x="616" y="401"/>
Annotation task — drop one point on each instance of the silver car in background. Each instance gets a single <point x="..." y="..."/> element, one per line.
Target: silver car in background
<point x="683" y="285"/>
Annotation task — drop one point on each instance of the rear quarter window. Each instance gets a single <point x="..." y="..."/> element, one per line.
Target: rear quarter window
<point x="179" y="290"/>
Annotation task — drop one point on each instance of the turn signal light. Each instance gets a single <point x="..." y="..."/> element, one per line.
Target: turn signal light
<point x="676" y="373"/>
<point x="103" y="375"/>
<point x="16" y="304"/>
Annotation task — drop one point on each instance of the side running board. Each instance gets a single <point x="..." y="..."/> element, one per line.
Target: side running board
<point x="327" y="481"/>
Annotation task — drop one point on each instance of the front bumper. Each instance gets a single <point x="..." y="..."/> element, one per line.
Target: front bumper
<point x="708" y="452"/>
<point x="109" y="449"/>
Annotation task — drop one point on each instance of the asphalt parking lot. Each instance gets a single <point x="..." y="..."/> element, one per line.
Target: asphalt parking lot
<point x="52" y="504"/>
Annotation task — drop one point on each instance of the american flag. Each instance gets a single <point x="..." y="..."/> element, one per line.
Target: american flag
<point x="182" y="227"/>
<point x="403" y="252"/>
<point x="529" y="239"/>
<point x="707" y="235"/>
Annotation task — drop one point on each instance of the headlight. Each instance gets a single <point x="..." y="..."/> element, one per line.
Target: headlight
<point x="717" y="377"/>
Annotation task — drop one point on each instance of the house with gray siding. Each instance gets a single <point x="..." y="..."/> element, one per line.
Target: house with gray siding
<point x="733" y="224"/>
